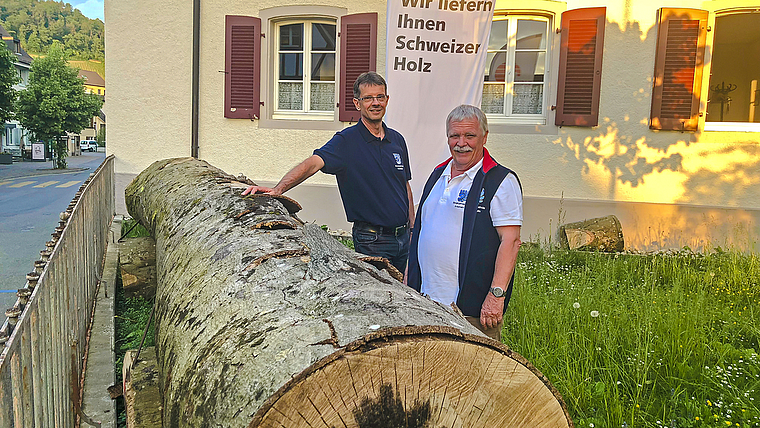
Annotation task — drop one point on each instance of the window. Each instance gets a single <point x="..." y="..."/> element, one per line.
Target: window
<point x="734" y="93"/>
<point x="305" y="74"/>
<point x="305" y="68"/>
<point x="515" y="74"/>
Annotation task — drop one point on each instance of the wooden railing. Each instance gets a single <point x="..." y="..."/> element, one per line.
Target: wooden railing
<point x="46" y="333"/>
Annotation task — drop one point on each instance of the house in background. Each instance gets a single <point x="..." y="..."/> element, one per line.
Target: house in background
<point x="13" y="137"/>
<point x="645" y="110"/>
<point x="93" y="84"/>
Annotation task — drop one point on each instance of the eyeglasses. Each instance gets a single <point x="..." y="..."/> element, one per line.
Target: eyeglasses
<point x="368" y="99"/>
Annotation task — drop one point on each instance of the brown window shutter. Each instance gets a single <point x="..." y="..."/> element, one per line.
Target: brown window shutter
<point x="358" y="54"/>
<point x="678" y="66"/>
<point x="242" y="67"/>
<point x="580" y="67"/>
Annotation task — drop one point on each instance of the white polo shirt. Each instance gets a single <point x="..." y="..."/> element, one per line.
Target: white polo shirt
<point x="441" y="228"/>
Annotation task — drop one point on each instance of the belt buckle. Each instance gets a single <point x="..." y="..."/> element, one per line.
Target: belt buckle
<point x="399" y="230"/>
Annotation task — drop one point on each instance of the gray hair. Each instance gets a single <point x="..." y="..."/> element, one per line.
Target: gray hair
<point x="464" y="112"/>
<point x="368" y="78"/>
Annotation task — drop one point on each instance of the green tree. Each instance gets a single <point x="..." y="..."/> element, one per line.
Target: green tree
<point x="8" y="78"/>
<point x="101" y="137"/>
<point x="55" y="103"/>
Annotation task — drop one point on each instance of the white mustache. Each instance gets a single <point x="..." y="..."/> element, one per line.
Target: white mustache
<point x="462" y="149"/>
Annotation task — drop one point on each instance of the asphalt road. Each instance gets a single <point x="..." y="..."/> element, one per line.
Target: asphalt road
<point x="32" y="195"/>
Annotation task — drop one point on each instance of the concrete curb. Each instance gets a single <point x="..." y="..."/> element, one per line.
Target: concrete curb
<point x="96" y="402"/>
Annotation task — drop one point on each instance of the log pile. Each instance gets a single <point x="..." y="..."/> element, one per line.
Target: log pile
<point x="262" y="321"/>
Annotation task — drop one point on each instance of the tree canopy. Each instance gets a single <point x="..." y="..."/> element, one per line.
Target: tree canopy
<point x="8" y="78"/>
<point x="55" y="102"/>
<point x="39" y="23"/>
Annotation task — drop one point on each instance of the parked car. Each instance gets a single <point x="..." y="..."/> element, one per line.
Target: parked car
<point x="88" y="145"/>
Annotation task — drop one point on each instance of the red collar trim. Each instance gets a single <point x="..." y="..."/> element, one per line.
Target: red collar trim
<point x="488" y="161"/>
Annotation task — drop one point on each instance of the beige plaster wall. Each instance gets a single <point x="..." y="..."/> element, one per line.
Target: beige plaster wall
<point x="149" y="69"/>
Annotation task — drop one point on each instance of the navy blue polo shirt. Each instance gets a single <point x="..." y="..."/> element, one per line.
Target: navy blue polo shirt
<point x="371" y="174"/>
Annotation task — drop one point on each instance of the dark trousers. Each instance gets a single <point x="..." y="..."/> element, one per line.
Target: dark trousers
<point x="369" y="241"/>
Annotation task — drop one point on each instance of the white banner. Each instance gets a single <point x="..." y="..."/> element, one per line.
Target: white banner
<point x="435" y="60"/>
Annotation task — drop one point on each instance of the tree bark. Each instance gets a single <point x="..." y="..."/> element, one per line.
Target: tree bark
<point x="597" y="234"/>
<point x="262" y="321"/>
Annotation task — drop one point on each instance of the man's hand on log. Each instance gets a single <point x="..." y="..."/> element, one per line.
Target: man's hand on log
<point x="491" y="311"/>
<point x="250" y="190"/>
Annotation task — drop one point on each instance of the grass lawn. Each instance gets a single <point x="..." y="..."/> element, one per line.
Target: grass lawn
<point x="665" y="340"/>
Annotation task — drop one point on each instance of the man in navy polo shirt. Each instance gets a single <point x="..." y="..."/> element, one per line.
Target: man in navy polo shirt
<point x="371" y="164"/>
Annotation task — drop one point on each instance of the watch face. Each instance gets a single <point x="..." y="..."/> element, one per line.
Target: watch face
<point x="497" y="292"/>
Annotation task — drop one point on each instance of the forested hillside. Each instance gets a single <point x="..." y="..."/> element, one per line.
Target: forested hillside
<point x="38" y="23"/>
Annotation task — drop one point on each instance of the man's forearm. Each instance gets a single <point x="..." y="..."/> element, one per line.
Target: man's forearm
<point x="506" y="257"/>
<point x="299" y="174"/>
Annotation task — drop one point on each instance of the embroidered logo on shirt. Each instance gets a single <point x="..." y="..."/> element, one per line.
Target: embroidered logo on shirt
<point x="398" y="158"/>
<point x="462" y="196"/>
<point x="482" y="196"/>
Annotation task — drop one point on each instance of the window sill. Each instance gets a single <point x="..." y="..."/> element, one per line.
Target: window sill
<point x="310" y="122"/>
<point x="732" y="127"/>
<point x="521" y="126"/>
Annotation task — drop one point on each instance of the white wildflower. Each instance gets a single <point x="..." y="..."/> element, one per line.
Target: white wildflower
<point x="594" y="314"/>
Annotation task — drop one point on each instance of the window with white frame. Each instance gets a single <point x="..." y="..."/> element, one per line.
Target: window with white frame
<point x="515" y="73"/>
<point x="732" y="104"/>
<point x="305" y="67"/>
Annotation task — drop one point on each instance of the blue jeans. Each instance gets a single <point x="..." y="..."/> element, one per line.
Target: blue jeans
<point x="372" y="243"/>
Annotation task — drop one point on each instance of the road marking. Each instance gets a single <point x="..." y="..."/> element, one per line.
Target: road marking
<point x="22" y="184"/>
<point x="47" y="183"/>
<point x="5" y="182"/>
<point x="69" y="183"/>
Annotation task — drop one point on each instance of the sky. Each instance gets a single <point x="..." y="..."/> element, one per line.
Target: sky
<point x="90" y="8"/>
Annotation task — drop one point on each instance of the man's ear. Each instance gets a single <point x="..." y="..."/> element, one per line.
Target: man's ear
<point x="356" y="104"/>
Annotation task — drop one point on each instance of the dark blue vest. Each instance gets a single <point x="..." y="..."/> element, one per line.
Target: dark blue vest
<point x="480" y="241"/>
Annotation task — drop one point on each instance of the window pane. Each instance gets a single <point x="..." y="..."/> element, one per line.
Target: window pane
<point x="529" y="66"/>
<point x="322" y="96"/>
<point x="496" y="66"/>
<point x="291" y="66"/>
<point x="527" y="99"/>
<point x="498" y="39"/>
<point x="531" y="34"/>
<point x="290" y="96"/>
<point x="323" y="66"/>
<point x="323" y="37"/>
<point x="735" y="72"/>
<point x="493" y="99"/>
<point x="291" y="37"/>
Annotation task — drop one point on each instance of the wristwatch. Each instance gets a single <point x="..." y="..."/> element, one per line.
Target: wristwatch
<point x="497" y="291"/>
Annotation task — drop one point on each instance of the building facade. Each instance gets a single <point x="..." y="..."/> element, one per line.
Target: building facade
<point x="640" y="109"/>
<point x="13" y="137"/>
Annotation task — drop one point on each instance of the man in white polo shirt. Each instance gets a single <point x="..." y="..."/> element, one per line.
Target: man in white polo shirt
<point x="467" y="229"/>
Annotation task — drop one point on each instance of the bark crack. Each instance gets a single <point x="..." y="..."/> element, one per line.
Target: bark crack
<point x="284" y="254"/>
<point x="333" y="340"/>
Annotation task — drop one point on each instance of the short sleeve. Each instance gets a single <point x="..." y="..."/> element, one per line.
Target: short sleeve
<point x="407" y="167"/>
<point x="331" y="153"/>
<point x="506" y="205"/>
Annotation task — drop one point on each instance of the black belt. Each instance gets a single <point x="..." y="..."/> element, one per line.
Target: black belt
<point x="383" y="230"/>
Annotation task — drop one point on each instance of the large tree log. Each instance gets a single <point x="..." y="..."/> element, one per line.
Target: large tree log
<point x="263" y="322"/>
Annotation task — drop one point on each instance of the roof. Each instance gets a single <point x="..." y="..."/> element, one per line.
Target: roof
<point x="92" y="78"/>
<point x="14" y="45"/>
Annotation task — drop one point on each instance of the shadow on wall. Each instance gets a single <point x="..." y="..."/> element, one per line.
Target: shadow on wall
<point x="629" y="162"/>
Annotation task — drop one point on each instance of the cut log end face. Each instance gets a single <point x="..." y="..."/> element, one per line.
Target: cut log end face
<point x="418" y="382"/>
